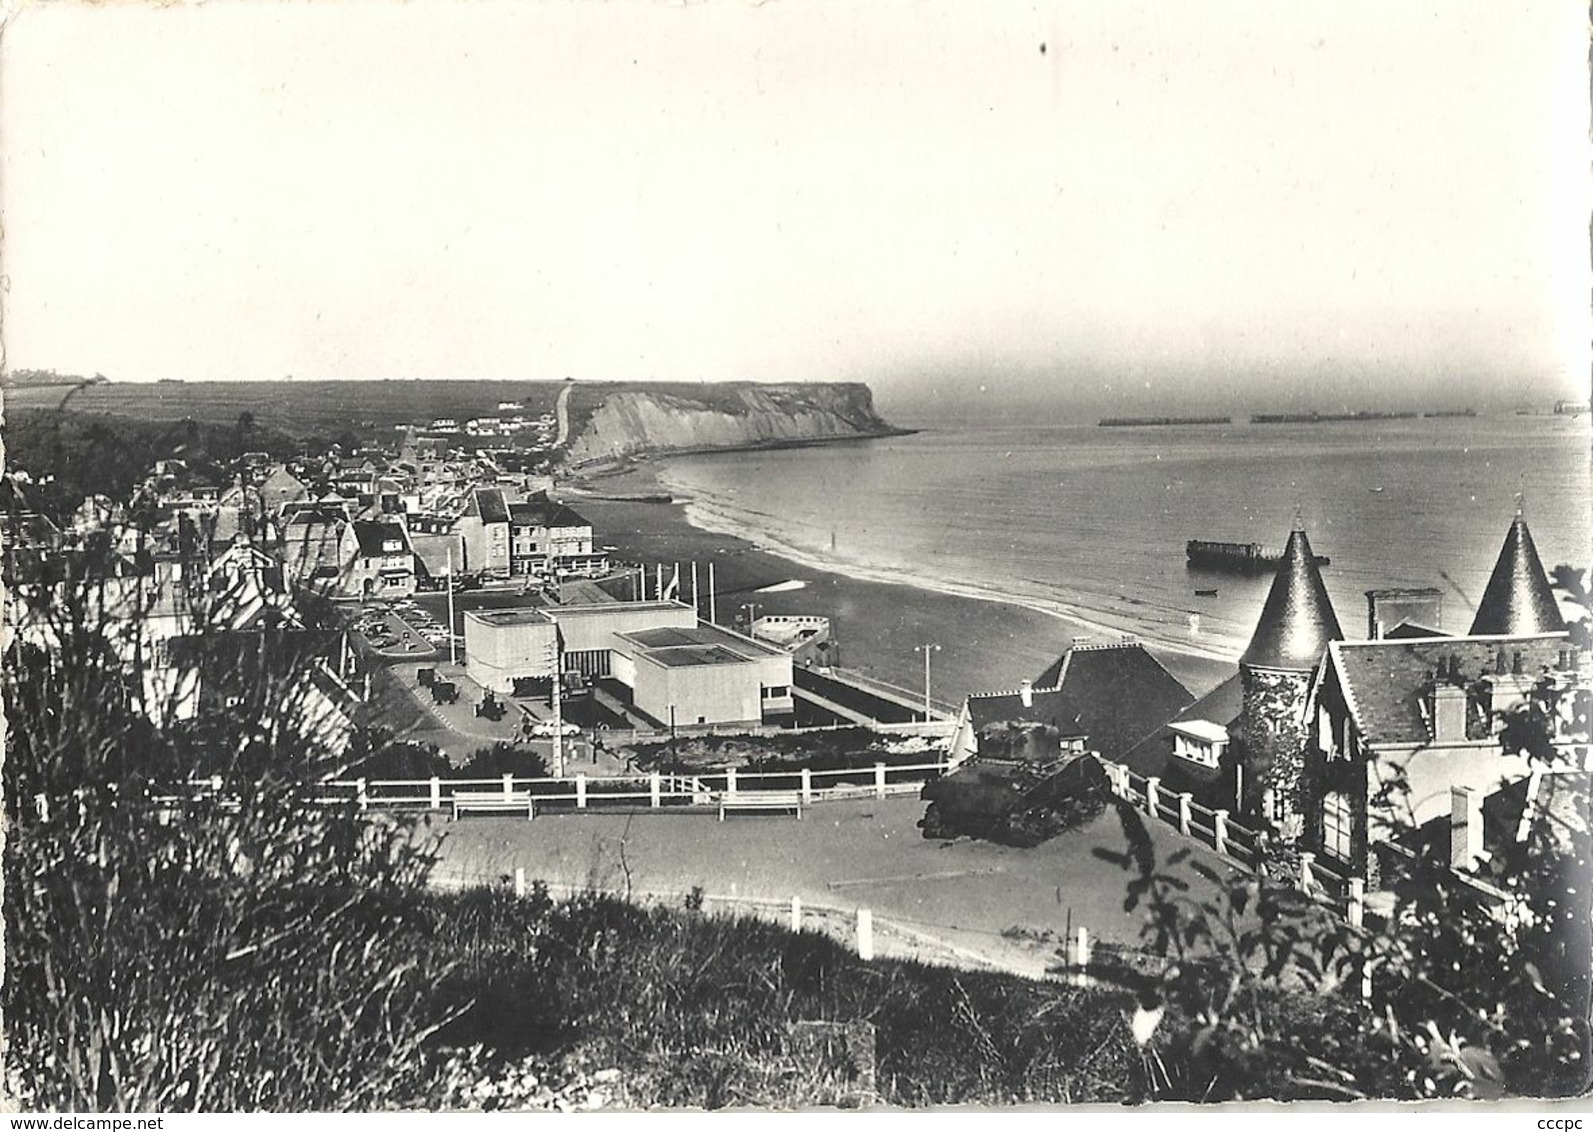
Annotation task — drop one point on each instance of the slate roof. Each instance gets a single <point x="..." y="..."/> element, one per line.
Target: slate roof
<point x="544" y="513"/>
<point x="1221" y="705"/>
<point x="1116" y="694"/>
<point x="284" y="482"/>
<point x="1517" y="600"/>
<point x="1386" y="682"/>
<point x="489" y="503"/>
<point x="371" y="534"/>
<point x="316" y="515"/>
<point x="1297" y="621"/>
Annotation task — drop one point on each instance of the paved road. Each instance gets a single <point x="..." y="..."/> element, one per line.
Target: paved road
<point x="561" y="409"/>
<point x="846" y="854"/>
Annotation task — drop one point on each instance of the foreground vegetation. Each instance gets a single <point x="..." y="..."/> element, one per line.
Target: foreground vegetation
<point x="260" y="950"/>
<point x="698" y="1010"/>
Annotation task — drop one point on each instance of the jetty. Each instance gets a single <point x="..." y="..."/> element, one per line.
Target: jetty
<point x="1243" y="557"/>
<point x="1322" y="418"/>
<point x="1138" y="422"/>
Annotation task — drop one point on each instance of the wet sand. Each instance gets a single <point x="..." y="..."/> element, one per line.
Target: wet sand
<point x="985" y="645"/>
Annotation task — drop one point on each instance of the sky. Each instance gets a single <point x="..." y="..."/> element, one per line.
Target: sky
<point x="1196" y="205"/>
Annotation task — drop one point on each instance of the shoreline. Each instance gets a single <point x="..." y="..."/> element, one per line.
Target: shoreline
<point x="621" y="465"/>
<point x="987" y="643"/>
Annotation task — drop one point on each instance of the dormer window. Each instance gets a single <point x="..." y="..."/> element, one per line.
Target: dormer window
<point x="392" y="546"/>
<point x="1200" y="741"/>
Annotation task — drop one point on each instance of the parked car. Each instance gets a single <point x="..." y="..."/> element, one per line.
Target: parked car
<point x="543" y="729"/>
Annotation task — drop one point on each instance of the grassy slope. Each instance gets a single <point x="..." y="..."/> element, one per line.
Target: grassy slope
<point x="695" y="1010"/>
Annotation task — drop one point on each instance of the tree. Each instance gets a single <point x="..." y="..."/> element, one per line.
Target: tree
<point x="180" y="947"/>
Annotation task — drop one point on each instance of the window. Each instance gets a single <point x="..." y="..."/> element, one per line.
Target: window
<point x="1337" y="824"/>
<point x="776" y="692"/>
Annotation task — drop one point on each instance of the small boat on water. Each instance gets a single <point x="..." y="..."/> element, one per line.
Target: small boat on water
<point x="1375" y="490"/>
<point x="1205" y="593"/>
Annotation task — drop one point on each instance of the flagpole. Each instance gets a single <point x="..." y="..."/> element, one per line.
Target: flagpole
<point x="713" y="617"/>
<point x="696" y="605"/>
<point x="558" y="707"/>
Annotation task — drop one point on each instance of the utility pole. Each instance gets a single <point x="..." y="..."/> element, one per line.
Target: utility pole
<point x="453" y="651"/>
<point x="674" y="751"/>
<point x="927" y="650"/>
<point x="558" y="709"/>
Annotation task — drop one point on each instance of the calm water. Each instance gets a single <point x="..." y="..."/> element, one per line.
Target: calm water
<point x="1090" y="523"/>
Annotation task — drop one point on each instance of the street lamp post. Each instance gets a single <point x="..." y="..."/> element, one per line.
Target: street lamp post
<point x="926" y="649"/>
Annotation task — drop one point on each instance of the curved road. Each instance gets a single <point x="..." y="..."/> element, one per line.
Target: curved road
<point x="562" y="410"/>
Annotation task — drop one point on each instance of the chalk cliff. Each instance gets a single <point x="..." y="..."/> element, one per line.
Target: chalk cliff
<point x="620" y="421"/>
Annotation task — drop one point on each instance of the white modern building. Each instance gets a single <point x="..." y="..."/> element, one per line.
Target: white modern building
<point x="672" y="663"/>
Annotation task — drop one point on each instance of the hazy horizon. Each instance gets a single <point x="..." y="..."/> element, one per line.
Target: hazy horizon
<point x="1119" y="208"/>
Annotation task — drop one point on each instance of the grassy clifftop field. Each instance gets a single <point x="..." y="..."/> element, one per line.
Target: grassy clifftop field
<point x="298" y="408"/>
<point x="325" y="408"/>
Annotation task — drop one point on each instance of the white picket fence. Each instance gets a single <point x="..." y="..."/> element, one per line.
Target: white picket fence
<point x="582" y="792"/>
<point x="1342" y="894"/>
<point x="652" y="791"/>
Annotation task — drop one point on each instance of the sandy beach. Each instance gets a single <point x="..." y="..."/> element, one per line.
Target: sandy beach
<point x="985" y="645"/>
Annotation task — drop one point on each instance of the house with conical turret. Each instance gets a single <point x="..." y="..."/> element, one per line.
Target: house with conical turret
<point x="1296" y="625"/>
<point x="1409" y="730"/>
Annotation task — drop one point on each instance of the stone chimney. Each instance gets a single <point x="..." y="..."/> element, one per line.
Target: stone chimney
<point x="1465" y="827"/>
<point x="1449" y="704"/>
<point x="1026" y="693"/>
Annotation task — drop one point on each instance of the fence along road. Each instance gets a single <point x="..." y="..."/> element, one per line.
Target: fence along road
<point x="1344" y="895"/>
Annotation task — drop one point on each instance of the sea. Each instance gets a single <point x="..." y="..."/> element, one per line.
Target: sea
<point x="1089" y="524"/>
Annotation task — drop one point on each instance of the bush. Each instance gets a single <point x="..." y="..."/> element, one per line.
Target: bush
<point x="1260" y="992"/>
<point x="243" y="951"/>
